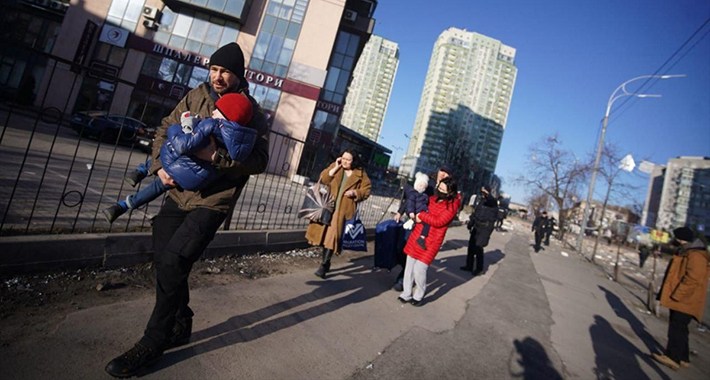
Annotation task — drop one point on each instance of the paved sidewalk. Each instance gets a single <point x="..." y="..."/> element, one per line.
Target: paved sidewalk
<point x="530" y="316"/>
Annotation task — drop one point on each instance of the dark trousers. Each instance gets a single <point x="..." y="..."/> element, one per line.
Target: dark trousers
<point x="179" y="238"/>
<point x="538" y="238"/>
<point x="677" y="348"/>
<point x="474" y="255"/>
<point x="547" y="237"/>
<point x="148" y="193"/>
<point x="402" y="257"/>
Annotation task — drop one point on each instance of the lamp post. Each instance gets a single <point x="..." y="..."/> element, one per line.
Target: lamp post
<point x="620" y="92"/>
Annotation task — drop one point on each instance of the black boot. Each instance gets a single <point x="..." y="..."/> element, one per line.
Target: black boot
<point x="325" y="263"/>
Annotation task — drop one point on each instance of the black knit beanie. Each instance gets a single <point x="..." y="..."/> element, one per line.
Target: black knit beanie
<point x="684" y="233"/>
<point x="231" y="57"/>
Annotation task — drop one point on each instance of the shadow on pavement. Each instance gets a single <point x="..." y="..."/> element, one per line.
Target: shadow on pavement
<point x="444" y="274"/>
<point x="639" y="328"/>
<point x="354" y="281"/>
<point x="616" y="357"/>
<point x="534" y="360"/>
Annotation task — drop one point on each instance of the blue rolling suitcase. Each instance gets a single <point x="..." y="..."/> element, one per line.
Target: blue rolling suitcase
<point x="389" y="242"/>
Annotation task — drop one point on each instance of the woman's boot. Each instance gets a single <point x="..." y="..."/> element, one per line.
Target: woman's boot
<point x="325" y="263"/>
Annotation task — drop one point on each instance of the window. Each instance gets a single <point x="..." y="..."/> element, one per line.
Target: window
<point x="125" y="13"/>
<point x="195" y="32"/>
<point x="278" y="35"/>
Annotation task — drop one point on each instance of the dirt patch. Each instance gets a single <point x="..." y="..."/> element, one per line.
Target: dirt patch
<point x="39" y="301"/>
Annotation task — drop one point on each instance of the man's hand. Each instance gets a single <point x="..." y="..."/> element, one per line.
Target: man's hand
<point x="209" y="152"/>
<point x="397" y="217"/>
<point x="165" y="178"/>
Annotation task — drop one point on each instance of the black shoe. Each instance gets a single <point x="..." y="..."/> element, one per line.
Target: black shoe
<point x="415" y="302"/>
<point x="476" y="273"/>
<point x="134" y="177"/>
<point x="322" y="271"/>
<point x="133" y="360"/>
<point x="112" y="213"/>
<point x="466" y="269"/>
<point x="398" y="286"/>
<point x="181" y="334"/>
<point x="402" y="300"/>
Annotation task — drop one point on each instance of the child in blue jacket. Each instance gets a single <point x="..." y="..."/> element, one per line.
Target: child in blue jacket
<point x="417" y="200"/>
<point x="227" y="126"/>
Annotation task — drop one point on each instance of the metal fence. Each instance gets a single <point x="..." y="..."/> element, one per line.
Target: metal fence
<point x="53" y="180"/>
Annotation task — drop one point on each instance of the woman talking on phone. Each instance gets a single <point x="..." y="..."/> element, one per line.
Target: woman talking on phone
<point x="349" y="185"/>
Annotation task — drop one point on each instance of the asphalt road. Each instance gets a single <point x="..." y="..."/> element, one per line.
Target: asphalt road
<point x="548" y="315"/>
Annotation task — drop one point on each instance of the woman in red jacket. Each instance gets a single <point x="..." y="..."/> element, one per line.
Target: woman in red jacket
<point x="443" y="206"/>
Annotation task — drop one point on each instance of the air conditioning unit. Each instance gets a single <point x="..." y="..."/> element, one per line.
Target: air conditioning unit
<point x="151" y="13"/>
<point x="350" y="15"/>
<point x="150" y="24"/>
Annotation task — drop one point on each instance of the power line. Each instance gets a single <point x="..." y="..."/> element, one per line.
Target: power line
<point x="652" y="81"/>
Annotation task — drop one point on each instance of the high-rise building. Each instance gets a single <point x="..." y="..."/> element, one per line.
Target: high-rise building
<point x="370" y="89"/>
<point x="464" y="106"/>
<point x="685" y="199"/>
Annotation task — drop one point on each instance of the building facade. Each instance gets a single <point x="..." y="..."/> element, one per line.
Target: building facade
<point x="140" y="57"/>
<point x="653" y="196"/>
<point x="464" y="106"/>
<point x="370" y="89"/>
<point x="685" y="198"/>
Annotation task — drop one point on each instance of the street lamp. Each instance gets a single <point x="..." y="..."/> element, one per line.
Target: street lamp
<point x="620" y="92"/>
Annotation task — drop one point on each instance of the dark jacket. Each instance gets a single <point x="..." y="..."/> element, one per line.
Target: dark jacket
<point x="539" y="224"/>
<point x="482" y="220"/>
<point x="416" y="202"/>
<point x="233" y="174"/>
<point x="191" y="173"/>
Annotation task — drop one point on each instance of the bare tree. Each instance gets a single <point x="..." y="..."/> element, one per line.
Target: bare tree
<point x="555" y="172"/>
<point x="609" y="169"/>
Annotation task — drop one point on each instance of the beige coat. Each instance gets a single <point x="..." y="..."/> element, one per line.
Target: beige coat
<point x="686" y="281"/>
<point x="329" y="236"/>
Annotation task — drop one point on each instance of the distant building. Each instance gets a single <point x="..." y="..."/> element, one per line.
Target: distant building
<point x="612" y="214"/>
<point x="685" y="198"/>
<point x="464" y="106"/>
<point x="653" y="196"/>
<point x="370" y="89"/>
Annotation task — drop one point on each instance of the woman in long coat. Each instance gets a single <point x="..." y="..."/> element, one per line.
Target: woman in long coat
<point x="443" y="206"/>
<point x="349" y="185"/>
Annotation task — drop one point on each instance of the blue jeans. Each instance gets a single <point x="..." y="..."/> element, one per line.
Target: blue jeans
<point x="147" y="194"/>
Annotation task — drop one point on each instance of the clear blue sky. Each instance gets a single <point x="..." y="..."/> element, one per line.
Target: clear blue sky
<point x="571" y="55"/>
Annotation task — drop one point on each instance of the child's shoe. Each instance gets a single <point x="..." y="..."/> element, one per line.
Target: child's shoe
<point x="112" y="213"/>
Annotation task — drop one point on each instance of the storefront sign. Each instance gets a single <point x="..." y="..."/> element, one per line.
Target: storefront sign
<point x="264" y="79"/>
<point x="82" y="49"/>
<point x="114" y="35"/>
<point x="180" y="55"/>
<point x="329" y="107"/>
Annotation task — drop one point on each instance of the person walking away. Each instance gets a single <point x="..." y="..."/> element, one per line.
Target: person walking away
<point x="683" y="292"/>
<point x="548" y="228"/>
<point x="232" y="113"/>
<point x="481" y="225"/>
<point x="349" y="185"/>
<point x="538" y="227"/>
<point x="188" y="220"/>
<point x="442" y="173"/>
<point x="443" y="207"/>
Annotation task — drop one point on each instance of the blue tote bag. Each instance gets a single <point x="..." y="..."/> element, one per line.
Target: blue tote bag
<point x="354" y="237"/>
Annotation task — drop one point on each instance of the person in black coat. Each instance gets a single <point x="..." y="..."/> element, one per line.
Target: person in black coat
<point x="549" y="227"/>
<point x="481" y="224"/>
<point x="539" y="226"/>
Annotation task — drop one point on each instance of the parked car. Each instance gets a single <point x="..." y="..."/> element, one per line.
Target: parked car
<point x="108" y="128"/>
<point x="144" y="139"/>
